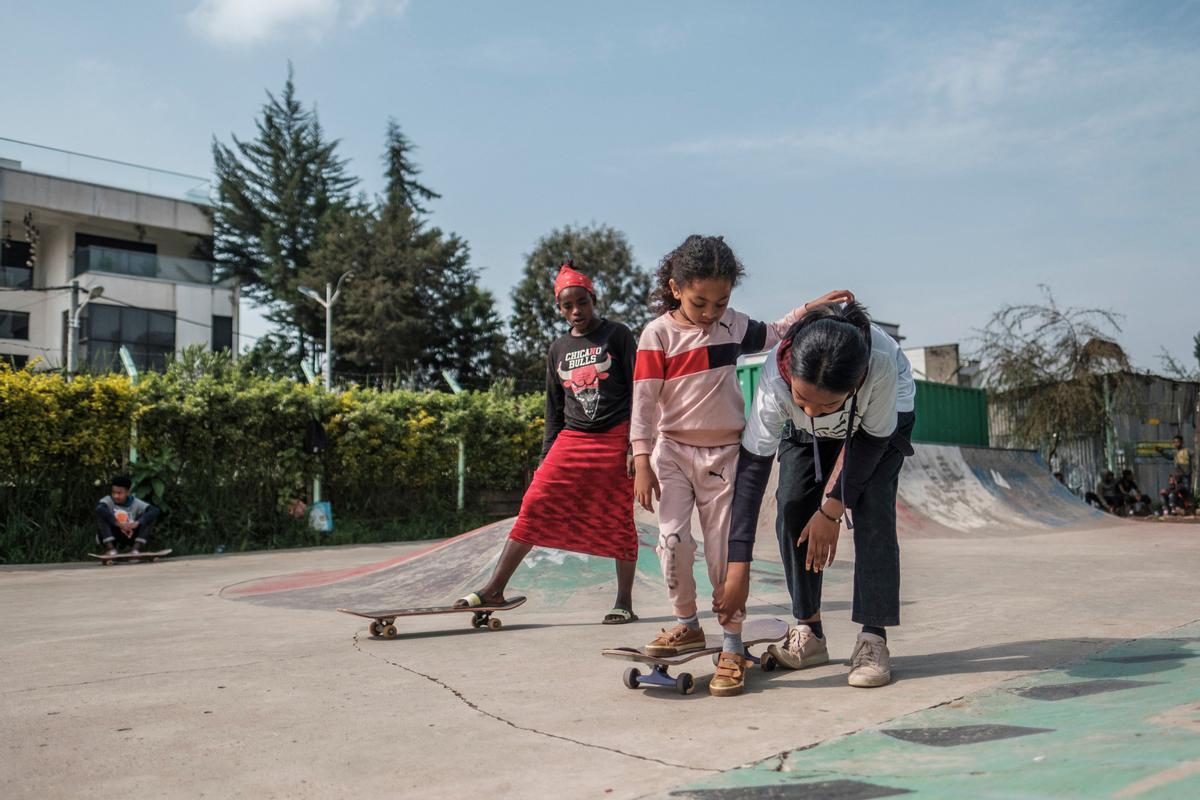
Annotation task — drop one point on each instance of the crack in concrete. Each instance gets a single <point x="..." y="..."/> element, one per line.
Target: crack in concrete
<point x="152" y="674"/>
<point x="476" y="708"/>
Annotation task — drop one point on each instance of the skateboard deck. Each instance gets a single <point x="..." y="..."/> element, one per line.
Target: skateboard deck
<point x="108" y="560"/>
<point x="755" y="632"/>
<point x="383" y="622"/>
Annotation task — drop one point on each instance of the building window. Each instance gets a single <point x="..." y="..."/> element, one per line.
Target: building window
<point x="16" y="270"/>
<point x="148" y="334"/>
<point x="14" y="325"/>
<point x="14" y="360"/>
<point x="222" y="333"/>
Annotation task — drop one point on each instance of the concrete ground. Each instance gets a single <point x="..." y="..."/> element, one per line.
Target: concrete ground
<point x="148" y="680"/>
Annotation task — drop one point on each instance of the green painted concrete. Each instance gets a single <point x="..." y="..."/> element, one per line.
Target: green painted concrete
<point x="1142" y="741"/>
<point x="556" y="576"/>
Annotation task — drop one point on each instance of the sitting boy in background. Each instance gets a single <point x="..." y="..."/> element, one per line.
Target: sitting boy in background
<point x="121" y="518"/>
<point x="1176" y="498"/>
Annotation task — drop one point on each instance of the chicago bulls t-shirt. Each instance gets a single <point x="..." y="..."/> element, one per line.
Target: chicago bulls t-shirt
<point x="589" y="381"/>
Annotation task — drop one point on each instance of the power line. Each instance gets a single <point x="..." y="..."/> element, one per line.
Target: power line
<point x="109" y="160"/>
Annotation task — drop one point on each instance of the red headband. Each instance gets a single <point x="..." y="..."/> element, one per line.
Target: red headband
<point x="568" y="277"/>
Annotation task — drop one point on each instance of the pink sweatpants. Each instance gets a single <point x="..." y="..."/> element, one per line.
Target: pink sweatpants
<point x="700" y="477"/>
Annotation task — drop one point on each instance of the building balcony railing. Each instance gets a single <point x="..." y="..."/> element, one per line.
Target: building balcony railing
<point x="142" y="265"/>
<point x="68" y="164"/>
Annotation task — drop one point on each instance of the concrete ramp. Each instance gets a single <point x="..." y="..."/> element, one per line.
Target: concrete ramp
<point x="952" y="491"/>
<point x="945" y="491"/>
<point x="948" y="490"/>
<point x="448" y="570"/>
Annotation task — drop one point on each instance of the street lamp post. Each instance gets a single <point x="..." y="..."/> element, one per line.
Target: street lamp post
<point x="331" y="296"/>
<point x="73" y="321"/>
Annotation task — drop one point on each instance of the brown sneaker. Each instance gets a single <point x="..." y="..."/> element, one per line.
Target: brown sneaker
<point x="678" y="640"/>
<point x="730" y="677"/>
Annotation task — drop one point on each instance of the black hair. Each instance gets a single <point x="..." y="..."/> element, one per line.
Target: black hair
<point x="121" y="480"/>
<point x="698" y="258"/>
<point x="830" y="347"/>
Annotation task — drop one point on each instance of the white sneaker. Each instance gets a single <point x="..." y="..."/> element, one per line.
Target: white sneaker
<point x="801" y="649"/>
<point x="871" y="664"/>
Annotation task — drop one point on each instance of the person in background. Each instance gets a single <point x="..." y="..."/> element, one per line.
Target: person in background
<point x="1137" y="503"/>
<point x="1176" y="498"/>
<point x="121" y="518"/>
<point x="1183" y="461"/>
<point x="1110" y="494"/>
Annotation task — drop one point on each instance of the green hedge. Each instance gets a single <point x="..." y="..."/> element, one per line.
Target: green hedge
<point x="222" y="452"/>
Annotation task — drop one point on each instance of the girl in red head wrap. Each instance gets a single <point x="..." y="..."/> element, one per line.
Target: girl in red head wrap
<point x="581" y="497"/>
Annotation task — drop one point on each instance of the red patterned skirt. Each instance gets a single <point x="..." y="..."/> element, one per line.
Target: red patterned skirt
<point x="581" y="497"/>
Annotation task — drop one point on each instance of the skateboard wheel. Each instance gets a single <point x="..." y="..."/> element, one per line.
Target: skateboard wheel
<point x="478" y="621"/>
<point x="109" y="562"/>
<point x="390" y="631"/>
<point x="376" y="629"/>
<point x="631" y="677"/>
<point x="684" y="683"/>
<point x="154" y="560"/>
<point x="767" y="663"/>
<point x="494" y="624"/>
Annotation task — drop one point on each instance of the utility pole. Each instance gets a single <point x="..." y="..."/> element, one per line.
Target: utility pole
<point x="73" y="322"/>
<point x="331" y="296"/>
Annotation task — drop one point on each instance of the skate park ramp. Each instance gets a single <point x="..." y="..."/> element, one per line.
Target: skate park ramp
<point x="945" y="491"/>
<point x="438" y="574"/>
<point x="972" y="490"/>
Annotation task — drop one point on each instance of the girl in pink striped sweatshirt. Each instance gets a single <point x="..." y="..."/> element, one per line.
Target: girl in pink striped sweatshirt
<point x="688" y="416"/>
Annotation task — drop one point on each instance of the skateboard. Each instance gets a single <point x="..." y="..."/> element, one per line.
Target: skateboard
<point x="383" y="622"/>
<point x="108" y="560"/>
<point x="756" y="632"/>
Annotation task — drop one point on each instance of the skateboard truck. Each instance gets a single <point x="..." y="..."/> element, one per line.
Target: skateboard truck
<point x="385" y="627"/>
<point x="484" y="619"/>
<point x="684" y="683"/>
<point x="383" y="623"/>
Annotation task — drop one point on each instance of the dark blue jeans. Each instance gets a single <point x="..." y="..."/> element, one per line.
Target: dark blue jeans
<point x="876" y="550"/>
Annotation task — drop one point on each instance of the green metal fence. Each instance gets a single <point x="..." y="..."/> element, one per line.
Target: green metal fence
<point x="946" y="414"/>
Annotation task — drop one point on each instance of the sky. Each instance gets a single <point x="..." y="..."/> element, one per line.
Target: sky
<point x="940" y="159"/>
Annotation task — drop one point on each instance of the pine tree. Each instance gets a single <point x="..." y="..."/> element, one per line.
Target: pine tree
<point x="403" y="188"/>
<point x="600" y="252"/>
<point x="414" y="306"/>
<point x="273" y="192"/>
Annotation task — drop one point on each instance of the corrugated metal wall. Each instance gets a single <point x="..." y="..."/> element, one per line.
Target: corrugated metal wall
<point x="946" y="414"/>
<point x="1147" y="411"/>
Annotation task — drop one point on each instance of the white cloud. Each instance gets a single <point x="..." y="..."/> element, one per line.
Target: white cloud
<point x="1046" y="94"/>
<point x="247" y="22"/>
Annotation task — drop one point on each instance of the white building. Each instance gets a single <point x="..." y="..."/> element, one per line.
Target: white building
<point x="144" y="236"/>
<point x="943" y="364"/>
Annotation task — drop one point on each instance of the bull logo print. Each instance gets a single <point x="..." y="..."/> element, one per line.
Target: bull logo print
<point x="584" y="383"/>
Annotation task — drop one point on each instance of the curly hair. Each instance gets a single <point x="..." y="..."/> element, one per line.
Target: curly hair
<point x="830" y="346"/>
<point x="698" y="258"/>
